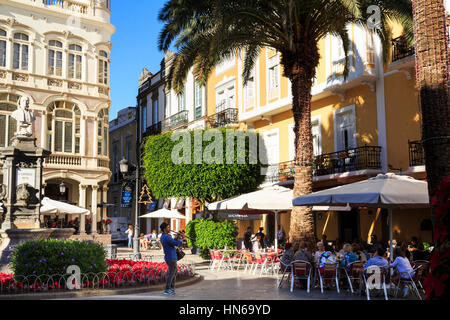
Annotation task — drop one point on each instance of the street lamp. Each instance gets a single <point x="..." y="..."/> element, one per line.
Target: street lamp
<point x="62" y="188"/>
<point x="131" y="173"/>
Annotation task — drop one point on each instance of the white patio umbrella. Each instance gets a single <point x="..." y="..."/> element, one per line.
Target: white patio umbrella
<point x="52" y="207"/>
<point x="274" y="198"/>
<point x="388" y="191"/>
<point x="163" y="214"/>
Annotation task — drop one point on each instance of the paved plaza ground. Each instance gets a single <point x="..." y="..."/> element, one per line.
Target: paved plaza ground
<point x="230" y="286"/>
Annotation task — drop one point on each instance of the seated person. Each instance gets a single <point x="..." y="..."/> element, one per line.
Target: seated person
<point x="302" y="253"/>
<point x="420" y="254"/>
<point x="402" y="264"/>
<point x="378" y="259"/>
<point x="348" y="256"/>
<point x="360" y="256"/>
<point x="257" y="247"/>
<point x="328" y="257"/>
<point x="319" y="252"/>
<point x="143" y="242"/>
<point x="288" y="256"/>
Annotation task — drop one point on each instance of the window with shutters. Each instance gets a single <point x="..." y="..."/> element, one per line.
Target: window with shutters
<point x="102" y="133"/>
<point x="198" y="100"/>
<point x="3" y="40"/>
<point x="249" y="91"/>
<point x="55" y="58"/>
<point x="21" y="51"/>
<point x="75" y="62"/>
<point x="274" y="76"/>
<point x="63" y="127"/>
<point x="8" y="125"/>
<point x="103" y="68"/>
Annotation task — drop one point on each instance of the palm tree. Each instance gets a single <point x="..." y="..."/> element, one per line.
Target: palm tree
<point x="207" y="31"/>
<point x="432" y="65"/>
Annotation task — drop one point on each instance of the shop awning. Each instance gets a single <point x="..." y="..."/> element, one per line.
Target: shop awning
<point x="55" y="208"/>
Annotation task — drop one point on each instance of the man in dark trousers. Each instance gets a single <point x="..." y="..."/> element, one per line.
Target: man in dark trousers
<point x="248" y="239"/>
<point x="263" y="236"/>
<point x="170" y="256"/>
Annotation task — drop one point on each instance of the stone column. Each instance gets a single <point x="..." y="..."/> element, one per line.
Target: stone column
<point x="94" y="203"/>
<point x="105" y="209"/>
<point x="82" y="203"/>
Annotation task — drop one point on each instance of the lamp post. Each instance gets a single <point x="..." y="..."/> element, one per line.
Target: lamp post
<point x="131" y="173"/>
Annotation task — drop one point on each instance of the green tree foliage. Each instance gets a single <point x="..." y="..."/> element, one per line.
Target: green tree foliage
<point x="207" y="182"/>
<point x="53" y="257"/>
<point x="209" y="234"/>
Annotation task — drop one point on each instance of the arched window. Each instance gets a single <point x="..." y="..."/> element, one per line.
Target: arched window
<point x="55" y="57"/>
<point x="21" y="47"/>
<point x="63" y="127"/>
<point x="103" y="68"/>
<point x="102" y="132"/>
<point x="75" y="62"/>
<point x="8" y="125"/>
<point x="3" y="40"/>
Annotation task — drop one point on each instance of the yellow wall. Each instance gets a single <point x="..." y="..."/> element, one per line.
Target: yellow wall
<point x="327" y="225"/>
<point x="403" y="118"/>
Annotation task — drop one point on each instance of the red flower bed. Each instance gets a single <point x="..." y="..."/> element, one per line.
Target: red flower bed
<point x="120" y="273"/>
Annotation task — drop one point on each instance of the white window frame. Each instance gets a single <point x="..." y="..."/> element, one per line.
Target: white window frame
<point x="250" y="87"/>
<point x="4" y="39"/>
<point x="76" y="54"/>
<point x="277" y="151"/>
<point x="22" y="44"/>
<point x="55" y="50"/>
<point x="228" y="90"/>
<point x="225" y="65"/>
<point x="273" y="69"/>
<point x="103" y="76"/>
<point x="338" y="113"/>
<point x="318" y="120"/>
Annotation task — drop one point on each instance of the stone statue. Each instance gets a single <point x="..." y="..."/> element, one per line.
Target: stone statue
<point x="24" y="117"/>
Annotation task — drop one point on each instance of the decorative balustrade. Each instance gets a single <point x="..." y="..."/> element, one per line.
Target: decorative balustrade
<point x="102" y="163"/>
<point x="64" y="160"/>
<point x="80" y="6"/>
<point x="401" y="49"/>
<point x="223" y="118"/>
<point x="416" y="154"/>
<point x="363" y="158"/>
<point x="176" y="121"/>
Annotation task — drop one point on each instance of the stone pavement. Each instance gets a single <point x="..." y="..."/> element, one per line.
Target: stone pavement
<point x="235" y="286"/>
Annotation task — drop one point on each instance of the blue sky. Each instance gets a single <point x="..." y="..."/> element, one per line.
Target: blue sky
<point x="134" y="47"/>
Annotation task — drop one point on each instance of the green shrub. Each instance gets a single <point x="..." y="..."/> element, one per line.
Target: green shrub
<point x="209" y="234"/>
<point x="52" y="257"/>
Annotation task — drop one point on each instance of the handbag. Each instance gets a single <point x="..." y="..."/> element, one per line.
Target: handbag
<point x="180" y="254"/>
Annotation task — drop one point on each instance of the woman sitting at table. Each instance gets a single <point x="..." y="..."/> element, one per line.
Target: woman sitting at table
<point x="302" y="253"/>
<point x="348" y="256"/>
<point x="288" y="255"/>
<point x="257" y="244"/>
<point x="319" y="252"/>
<point x="360" y="256"/>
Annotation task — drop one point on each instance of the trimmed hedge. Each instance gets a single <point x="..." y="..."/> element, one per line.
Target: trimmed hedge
<point x="209" y="234"/>
<point x="53" y="257"/>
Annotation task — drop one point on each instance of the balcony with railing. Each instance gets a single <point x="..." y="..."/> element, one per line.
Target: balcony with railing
<point x="153" y="130"/>
<point x="351" y="160"/>
<point x="416" y="154"/>
<point x="77" y="162"/>
<point x="223" y="118"/>
<point x="401" y="49"/>
<point x="176" y="121"/>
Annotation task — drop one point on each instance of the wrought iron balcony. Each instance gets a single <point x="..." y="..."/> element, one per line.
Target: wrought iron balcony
<point x="416" y="154"/>
<point x="401" y="49"/>
<point x="153" y="130"/>
<point x="176" y="121"/>
<point x="223" y="118"/>
<point x="363" y="158"/>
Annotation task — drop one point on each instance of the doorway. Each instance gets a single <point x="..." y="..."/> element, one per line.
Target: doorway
<point x="349" y="226"/>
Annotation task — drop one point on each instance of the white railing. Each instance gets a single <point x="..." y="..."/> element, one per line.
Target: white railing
<point x="64" y="160"/>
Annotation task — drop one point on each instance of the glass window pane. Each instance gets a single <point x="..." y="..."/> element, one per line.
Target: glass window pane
<point x="68" y="136"/>
<point x="59" y="63"/>
<point x="99" y="148"/>
<point x="105" y="141"/>
<point x="58" y="136"/>
<point x="2" y="130"/>
<point x="100" y="71"/>
<point x="12" y="129"/>
<point x="24" y="57"/>
<point x="21" y="36"/>
<point x="79" y="67"/>
<point x="77" y="145"/>
<point x="71" y="65"/>
<point x="2" y="33"/>
<point x="51" y="62"/>
<point x="16" y="58"/>
<point x="2" y="53"/>
<point x="49" y="141"/>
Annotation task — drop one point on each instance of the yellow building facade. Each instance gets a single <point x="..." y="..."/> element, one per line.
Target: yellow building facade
<point x="367" y="124"/>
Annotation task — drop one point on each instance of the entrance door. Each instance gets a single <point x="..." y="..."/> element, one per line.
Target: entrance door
<point x="349" y="222"/>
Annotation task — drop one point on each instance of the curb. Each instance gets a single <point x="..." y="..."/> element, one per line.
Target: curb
<point x="99" y="293"/>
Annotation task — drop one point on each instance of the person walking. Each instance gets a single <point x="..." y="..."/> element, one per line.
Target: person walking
<point x="170" y="256"/>
<point x="248" y="239"/>
<point x="130" y="234"/>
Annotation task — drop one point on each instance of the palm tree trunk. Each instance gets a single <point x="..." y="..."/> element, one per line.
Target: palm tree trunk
<point x="302" y="219"/>
<point x="433" y="81"/>
<point x="432" y="67"/>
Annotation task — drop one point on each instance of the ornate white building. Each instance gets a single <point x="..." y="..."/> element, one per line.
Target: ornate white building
<point x="57" y="53"/>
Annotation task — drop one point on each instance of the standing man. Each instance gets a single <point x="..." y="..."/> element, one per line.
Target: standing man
<point x="248" y="239"/>
<point x="262" y="239"/>
<point x="170" y="256"/>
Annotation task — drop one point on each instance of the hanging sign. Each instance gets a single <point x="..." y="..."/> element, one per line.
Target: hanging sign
<point x="127" y="195"/>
